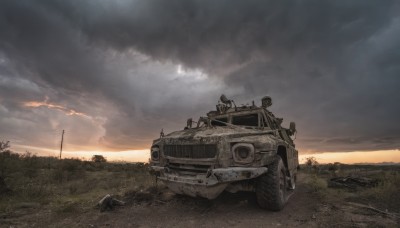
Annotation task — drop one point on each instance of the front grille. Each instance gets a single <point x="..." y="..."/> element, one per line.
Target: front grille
<point x="191" y="151"/>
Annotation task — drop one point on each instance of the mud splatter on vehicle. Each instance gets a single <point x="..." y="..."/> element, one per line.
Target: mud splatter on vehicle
<point x="233" y="149"/>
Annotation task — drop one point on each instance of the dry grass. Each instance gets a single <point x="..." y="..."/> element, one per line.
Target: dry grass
<point x="317" y="184"/>
<point x="386" y="194"/>
<point x="62" y="189"/>
<point x="66" y="186"/>
<point x="383" y="196"/>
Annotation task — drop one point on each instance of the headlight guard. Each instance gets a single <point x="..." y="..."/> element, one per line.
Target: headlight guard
<point x="155" y="153"/>
<point x="243" y="153"/>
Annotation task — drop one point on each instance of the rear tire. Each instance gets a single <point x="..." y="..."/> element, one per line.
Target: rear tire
<point x="271" y="187"/>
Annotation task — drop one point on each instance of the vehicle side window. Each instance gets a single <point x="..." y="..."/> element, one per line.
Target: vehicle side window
<point x="218" y="121"/>
<point x="246" y="120"/>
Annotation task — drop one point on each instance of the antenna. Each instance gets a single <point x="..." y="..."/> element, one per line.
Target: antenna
<point x="62" y="140"/>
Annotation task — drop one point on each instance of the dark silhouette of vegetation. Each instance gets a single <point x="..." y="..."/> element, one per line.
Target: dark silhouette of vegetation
<point x="99" y="158"/>
<point x="30" y="176"/>
<point x="334" y="168"/>
<point x="4" y="146"/>
<point x="312" y="163"/>
<point x="5" y="155"/>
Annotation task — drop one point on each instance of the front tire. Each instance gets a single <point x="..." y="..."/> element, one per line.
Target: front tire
<point x="271" y="187"/>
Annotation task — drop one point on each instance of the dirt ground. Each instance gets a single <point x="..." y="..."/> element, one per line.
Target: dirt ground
<point x="304" y="209"/>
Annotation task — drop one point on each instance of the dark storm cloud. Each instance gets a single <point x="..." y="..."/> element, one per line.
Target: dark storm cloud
<point x="127" y="91"/>
<point x="214" y="34"/>
<point x="331" y="66"/>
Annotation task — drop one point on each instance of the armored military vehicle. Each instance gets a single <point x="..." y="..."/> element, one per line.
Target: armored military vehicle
<point x="233" y="149"/>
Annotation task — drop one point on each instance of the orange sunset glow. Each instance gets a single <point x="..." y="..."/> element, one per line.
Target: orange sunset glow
<point x="144" y="155"/>
<point x="355" y="157"/>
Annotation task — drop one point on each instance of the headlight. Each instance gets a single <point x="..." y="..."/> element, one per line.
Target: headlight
<point x="155" y="153"/>
<point x="243" y="152"/>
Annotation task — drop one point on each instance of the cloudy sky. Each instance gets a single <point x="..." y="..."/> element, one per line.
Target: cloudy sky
<point x="113" y="73"/>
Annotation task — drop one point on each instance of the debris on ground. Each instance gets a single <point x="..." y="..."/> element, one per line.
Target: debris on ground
<point x="395" y="215"/>
<point x="108" y="203"/>
<point x="352" y="182"/>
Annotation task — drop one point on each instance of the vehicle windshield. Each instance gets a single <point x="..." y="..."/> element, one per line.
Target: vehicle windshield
<point x="246" y="120"/>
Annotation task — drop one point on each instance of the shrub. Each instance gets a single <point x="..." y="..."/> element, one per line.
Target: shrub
<point x="317" y="184"/>
<point x="69" y="169"/>
<point x="99" y="158"/>
<point x="312" y="163"/>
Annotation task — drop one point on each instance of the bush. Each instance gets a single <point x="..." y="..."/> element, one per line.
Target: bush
<point x="69" y="169"/>
<point x="317" y="184"/>
<point x="34" y="191"/>
<point x="312" y="163"/>
<point x="99" y="158"/>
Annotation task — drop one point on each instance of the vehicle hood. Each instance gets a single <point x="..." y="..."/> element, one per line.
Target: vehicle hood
<point x="215" y="132"/>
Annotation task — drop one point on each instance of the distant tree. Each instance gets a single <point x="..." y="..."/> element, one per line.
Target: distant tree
<point x="334" y="168"/>
<point x="312" y="163"/>
<point x="99" y="158"/>
<point x="4" y="146"/>
<point x="6" y="158"/>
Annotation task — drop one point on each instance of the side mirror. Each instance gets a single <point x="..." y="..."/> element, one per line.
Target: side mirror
<point x="292" y="128"/>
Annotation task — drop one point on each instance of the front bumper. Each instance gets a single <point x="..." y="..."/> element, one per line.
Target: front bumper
<point x="208" y="185"/>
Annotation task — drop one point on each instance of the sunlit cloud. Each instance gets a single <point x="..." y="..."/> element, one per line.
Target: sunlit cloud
<point x="194" y="74"/>
<point x="45" y="103"/>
